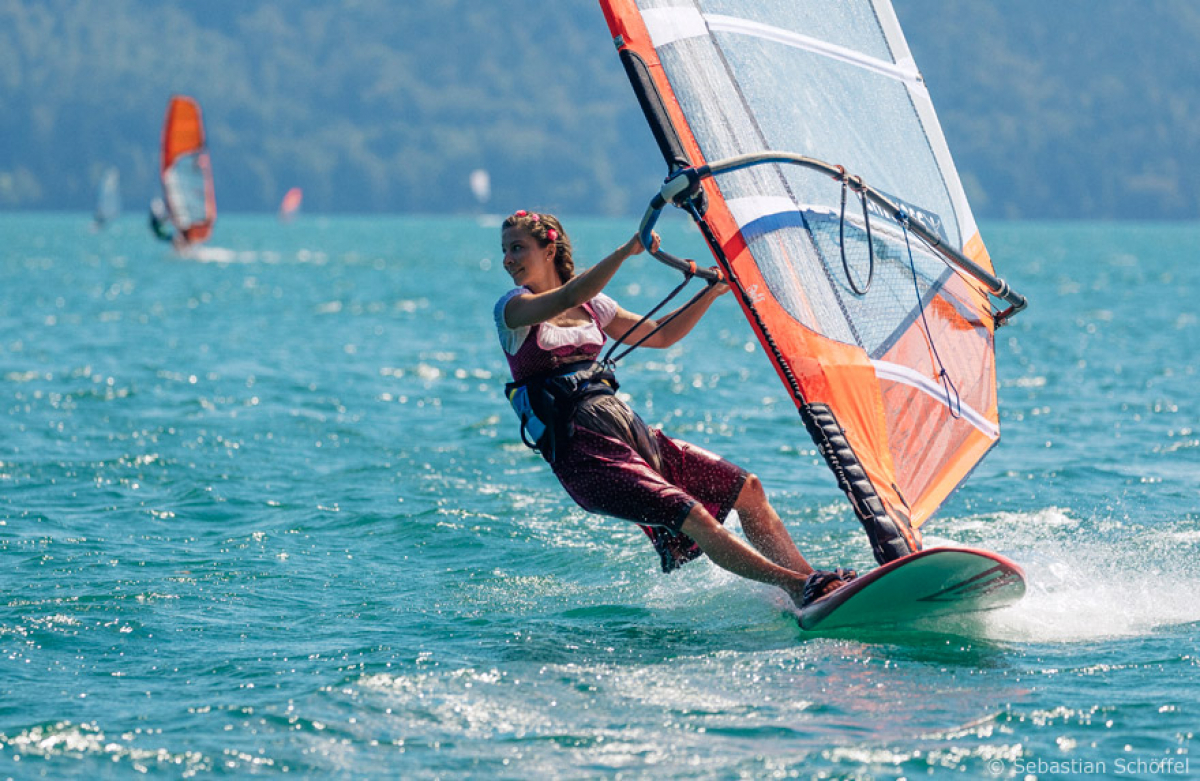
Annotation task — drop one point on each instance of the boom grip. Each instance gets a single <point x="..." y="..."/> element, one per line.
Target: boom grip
<point x="646" y="234"/>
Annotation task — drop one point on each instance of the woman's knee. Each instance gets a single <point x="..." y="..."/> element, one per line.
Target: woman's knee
<point x="752" y="492"/>
<point x="699" y="522"/>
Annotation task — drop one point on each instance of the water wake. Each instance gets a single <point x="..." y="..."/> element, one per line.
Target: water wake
<point x="1092" y="579"/>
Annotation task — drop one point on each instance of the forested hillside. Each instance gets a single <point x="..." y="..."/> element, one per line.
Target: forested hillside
<point x="1066" y="108"/>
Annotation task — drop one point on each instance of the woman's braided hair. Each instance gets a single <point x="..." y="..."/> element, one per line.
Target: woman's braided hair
<point x="547" y="230"/>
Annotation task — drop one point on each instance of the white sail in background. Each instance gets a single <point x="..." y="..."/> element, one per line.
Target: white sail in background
<point x="108" y="197"/>
<point x="481" y="185"/>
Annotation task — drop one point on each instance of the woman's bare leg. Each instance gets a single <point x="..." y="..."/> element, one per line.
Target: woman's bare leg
<point x="767" y="533"/>
<point x="729" y="552"/>
<point x="765" y="530"/>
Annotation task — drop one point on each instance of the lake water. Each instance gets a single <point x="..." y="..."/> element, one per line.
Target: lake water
<point x="269" y="514"/>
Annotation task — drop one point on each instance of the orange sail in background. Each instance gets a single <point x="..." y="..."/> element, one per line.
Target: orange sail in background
<point x="872" y="302"/>
<point x="186" y="172"/>
<point x="290" y="203"/>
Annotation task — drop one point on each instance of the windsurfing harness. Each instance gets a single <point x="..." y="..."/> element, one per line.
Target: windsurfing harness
<point x="552" y="404"/>
<point x="546" y="403"/>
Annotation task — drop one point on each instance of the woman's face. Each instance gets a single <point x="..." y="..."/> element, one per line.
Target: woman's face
<point x="526" y="261"/>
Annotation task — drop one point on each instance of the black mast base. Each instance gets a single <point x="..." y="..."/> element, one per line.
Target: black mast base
<point x="888" y="541"/>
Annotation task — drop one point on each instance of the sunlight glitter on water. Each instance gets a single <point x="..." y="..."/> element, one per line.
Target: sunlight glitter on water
<point x="274" y="515"/>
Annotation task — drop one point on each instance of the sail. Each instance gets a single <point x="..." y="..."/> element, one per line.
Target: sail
<point x="290" y="203"/>
<point x="481" y="185"/>
<point x="108" y="196"/>
<point x="886" y="348"/>
<point x="186" y="173"/>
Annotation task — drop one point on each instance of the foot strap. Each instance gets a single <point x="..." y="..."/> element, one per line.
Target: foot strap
<point x="814" y="587"/>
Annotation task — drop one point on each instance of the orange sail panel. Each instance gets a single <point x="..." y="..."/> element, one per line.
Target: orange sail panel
<point x="886" y="349"/>
<point x="186" y="172"/>
<point x="290" y="203"/>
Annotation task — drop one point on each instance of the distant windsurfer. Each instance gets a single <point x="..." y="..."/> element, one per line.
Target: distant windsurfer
<point x="552" y="327"/>
<point x="160" y="221"/>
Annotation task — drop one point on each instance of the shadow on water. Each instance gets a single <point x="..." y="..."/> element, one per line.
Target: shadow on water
<point x="611" y="632"/>
<point x="952" y="643"/>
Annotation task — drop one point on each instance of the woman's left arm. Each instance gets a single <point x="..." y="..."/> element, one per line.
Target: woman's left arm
<point x="678" y="327"/>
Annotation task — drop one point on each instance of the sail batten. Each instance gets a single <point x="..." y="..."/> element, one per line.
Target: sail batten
<point x="832" y="204"/>
<point x="668" y="25"/>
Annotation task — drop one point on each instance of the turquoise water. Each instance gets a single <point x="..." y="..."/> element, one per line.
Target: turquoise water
<point x="266" y="513"/>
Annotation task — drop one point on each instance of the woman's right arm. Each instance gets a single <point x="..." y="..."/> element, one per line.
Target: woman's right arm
<point x="530" y="308"/>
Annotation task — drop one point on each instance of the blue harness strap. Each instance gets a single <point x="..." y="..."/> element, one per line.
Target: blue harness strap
<point x="533" y="430"/>
<point x="546" y="403"/>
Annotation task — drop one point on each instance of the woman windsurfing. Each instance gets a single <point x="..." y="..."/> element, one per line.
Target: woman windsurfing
<point x="552" y="327"/>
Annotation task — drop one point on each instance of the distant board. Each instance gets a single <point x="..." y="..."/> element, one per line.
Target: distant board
<point x="934" y="582"/>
